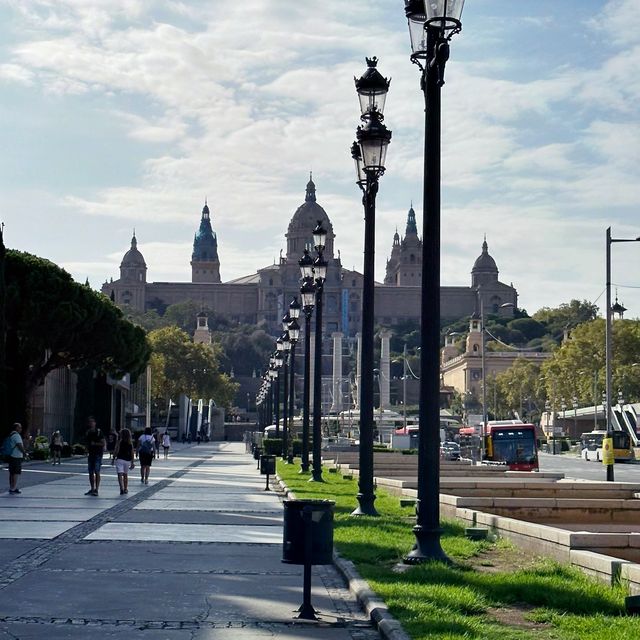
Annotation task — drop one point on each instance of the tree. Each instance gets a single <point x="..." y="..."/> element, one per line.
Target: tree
<point x="52" y="321"/>
<point x="578" y="366"/>
<point x="181" y="366"/>
<point x="566" y="316"/>
<point x="520" y="389"/>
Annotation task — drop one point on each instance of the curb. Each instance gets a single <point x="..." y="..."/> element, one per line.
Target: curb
<point x="388" y="627"/>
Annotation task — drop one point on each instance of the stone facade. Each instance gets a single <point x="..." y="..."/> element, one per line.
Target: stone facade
<point x="264" y="296"/>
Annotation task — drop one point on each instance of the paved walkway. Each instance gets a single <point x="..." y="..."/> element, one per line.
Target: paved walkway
<point x="193" y="555"/>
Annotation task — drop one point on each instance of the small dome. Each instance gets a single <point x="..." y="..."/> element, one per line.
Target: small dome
<point x="485" y="262"/>
<point x="133" y="257"/>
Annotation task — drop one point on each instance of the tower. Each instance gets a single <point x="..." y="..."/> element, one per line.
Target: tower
<point x="133" y="278"/>
<point x="205" y="265"/>
<point x="202" y="334"/>
<point x="404" y="267"/>
<point x="485" y="271"/>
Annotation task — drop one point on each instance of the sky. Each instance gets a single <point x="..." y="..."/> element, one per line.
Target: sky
<point x="118" y="115"/>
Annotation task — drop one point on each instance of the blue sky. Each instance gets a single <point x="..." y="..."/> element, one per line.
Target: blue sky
<point x="118" y="114"/>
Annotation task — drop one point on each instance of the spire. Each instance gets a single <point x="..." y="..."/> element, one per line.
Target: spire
<point x="396" y="238"/>
<point x="485" y="246"/>
<point x="311" y="189"/>
<point x="412" y="229"/>
<point x="205" y="210"/>
<point x="134" y="242"/>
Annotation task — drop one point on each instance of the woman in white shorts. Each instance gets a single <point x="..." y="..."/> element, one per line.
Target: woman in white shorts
<point x="123" y="459"/>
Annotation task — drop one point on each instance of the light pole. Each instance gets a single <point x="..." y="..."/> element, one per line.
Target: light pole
<point x="319" y="275"/>
<point x="284" y="344"/>
<point x="431" y="25"/>
<point x="547" y="408"/>
<point x="369" y="154"/>
<point x="294" y="333"/>
<point x="608" y="352"/>
<point x="277" y="366"/>
<point x="563" y="406"/>
<point x="308" y="295"/>
<point x="574" y="403"/>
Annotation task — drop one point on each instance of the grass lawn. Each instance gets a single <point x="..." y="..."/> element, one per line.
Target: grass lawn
<point x="493" y="591"/>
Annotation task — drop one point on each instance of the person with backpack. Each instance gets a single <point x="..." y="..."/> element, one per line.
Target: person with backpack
<point x="13" y="449"/>
<point x="146" y="453"/>
<point x="123" y="459"/>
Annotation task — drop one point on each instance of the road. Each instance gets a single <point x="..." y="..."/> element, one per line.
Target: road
<point x="574" y="467"/>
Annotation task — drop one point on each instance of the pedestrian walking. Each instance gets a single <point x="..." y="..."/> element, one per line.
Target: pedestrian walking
<point x="166" y="444"/>
<point x="146" y="453"/>
<point x="123" y="459"/>
<point x="14" y="449"/>
<point x="112" y="438"/>
<point x="55" y="447"/>
<point x="156" y="440"/>
<point x="95" y="450"/>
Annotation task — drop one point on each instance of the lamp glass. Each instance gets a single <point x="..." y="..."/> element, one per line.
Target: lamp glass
<point x="306" y="265"/>
<point x="319" y="237"/>
<point x="294" y="308"/>
<point x="445" y="14"/>
<point x="356" y="154"/>
<point x="308" y="293"/>
<point x="416" y="17"/>
<point x="294" y="330"/>
<point x="320" y="269"/>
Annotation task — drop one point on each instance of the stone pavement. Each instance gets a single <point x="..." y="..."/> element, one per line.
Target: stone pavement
<point x="193" y="555"/>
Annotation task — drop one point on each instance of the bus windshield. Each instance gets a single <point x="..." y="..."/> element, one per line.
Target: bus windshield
<point x="514" y="446"/>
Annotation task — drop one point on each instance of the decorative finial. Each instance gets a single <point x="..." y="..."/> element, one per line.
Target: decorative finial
<point x="372" y="62"/>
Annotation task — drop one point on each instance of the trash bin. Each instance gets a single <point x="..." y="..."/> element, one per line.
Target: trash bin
<point x="268" y="465"/>
<point x="257" y="452"/>
<point x="299" y="515"/>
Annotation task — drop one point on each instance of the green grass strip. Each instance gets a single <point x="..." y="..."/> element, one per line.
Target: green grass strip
<point x="544" y="600"/>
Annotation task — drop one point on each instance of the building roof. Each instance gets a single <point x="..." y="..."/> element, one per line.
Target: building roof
<point x="484" y="262"/>
<point x="205" y="242"/>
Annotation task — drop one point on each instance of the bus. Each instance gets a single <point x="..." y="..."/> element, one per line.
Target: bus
<point x="591" y="445"/>
<point x="511" y="443"/>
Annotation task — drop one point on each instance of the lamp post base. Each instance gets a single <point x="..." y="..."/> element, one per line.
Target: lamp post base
<point x="304" y="468"/>
<point x="365" y="507"/>
<point x="427" y="547"/>
<point x="316" y="476"/>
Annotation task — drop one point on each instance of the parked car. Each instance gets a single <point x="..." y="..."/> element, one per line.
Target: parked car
<point x="450" y="451"/>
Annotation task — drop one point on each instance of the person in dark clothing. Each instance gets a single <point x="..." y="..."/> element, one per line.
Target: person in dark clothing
<point x="123" y="459"/>
<point x="95" y="449"/>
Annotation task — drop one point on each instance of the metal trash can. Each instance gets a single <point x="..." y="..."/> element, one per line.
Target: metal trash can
<point x="268" y="465"/>
<point x="312" y="518"/>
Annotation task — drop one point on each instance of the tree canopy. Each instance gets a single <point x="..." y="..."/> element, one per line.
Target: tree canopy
<point x="182" y="366"/>
<point x="53" y="321"/>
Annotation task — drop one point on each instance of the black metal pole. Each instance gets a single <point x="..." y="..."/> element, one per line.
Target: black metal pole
<point x="366" y="495"/>
<point x="285" y="406"/>
<point x="316" y="469"/>
<point x="277" y="403"/>
<point x="427" y="529"/>
<point x="304" y="466"/>
<point x="292" y="380"/>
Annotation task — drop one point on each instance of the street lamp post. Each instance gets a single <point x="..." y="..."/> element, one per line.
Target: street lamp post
<point x="284" y="344"/>
<point x="308" y="294"/>
<point x="574" y="403"/>
<point x="547" y="408"/>
<point x="319" y="275"/>
<point x="294" y="333"/>
<point x="431" y="26"/>
<point x="563" y="406"/>
<point x="608" y="350"/>
<point x="369" y="154"/>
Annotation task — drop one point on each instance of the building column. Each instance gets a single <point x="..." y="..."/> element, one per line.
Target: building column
<point x="336" y="404"/>
<point x="385" y="370"/>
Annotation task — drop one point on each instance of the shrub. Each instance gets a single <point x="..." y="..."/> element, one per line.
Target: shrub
<point x="42" y="453"/>
<point x="272" y="446"/>
<point x="79" y="450"/>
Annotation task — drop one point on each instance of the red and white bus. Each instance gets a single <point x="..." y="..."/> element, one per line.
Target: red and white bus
<point x="513" y="443"/>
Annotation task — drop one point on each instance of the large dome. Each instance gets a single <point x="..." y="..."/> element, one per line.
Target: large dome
<point x="133" y="258"/>
<point x="484" y="262"/>
<point x="304" y="220"/>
